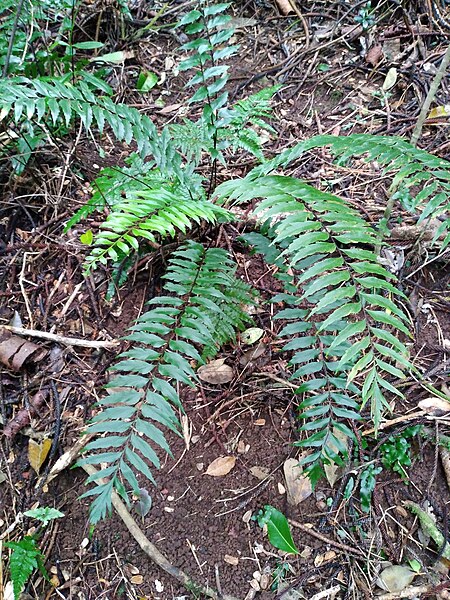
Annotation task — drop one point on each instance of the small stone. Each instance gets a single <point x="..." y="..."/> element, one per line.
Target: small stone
<point x="231" y="560"/>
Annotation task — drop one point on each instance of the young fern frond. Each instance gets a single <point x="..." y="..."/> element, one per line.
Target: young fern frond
<point x="150" y="215"/>
<point x="426" y="177"/>
<point x="342" y="340"/>
<point x="165" y="341"/>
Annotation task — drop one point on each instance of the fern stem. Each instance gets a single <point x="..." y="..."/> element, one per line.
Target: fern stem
<point x="430" y="96"/>
<point x="12" y="37"/>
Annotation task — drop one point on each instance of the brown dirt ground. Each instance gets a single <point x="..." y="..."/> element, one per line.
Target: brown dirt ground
<point x="199" y="522"/>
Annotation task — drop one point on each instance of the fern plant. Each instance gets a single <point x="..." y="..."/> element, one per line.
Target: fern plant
<point x="203" y="310"/>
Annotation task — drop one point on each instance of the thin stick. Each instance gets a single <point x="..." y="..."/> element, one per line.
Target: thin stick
<point x="323" y="538"/>
<point x="152" y="551"/>
<point x="61" y="339"/>
<point x="430" y="97"/>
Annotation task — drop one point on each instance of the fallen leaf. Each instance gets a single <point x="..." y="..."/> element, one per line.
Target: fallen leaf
<point x="439" y="111"/>
<point x="251" y="335"/>
<point x="260" y="472"/>
<point x="259" y="422"/>
<point x="252" y="354"/>
<point x="231" y="560"/>
<point x="137" y="579"/>
<point x="374" y="55"/>
<point x="285" y="6"/>
<point x="246" y="517"/>
<point x="221" y="466"/>
<point x="38" y="452"/>
<point x="216" y="372"/>
<point x="15" y="351"/>
<point x="298" y="486"/>
<point x="145" y="502"/>
<point x="395" y="578"/>
<point x="391" y="79"/>
<point x="435" y="406"/>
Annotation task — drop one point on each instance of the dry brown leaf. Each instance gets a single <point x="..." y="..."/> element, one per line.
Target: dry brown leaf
<point x="374" y="55"/>
<point x="38" y="452"/>
<point x="221" y="466"/>
<point x="15" y="351"/>
<point x="231" y="560"/>
<point x="252" y="354"/>
<point x="137" y="579"/>
<point x="285" y="6"/>
<point x="216" y="372"/>
<point x="298" y="486"/>
<point x="435" y="406"/>
<point x="260" y="472"/>
<point x="259" y="422"/>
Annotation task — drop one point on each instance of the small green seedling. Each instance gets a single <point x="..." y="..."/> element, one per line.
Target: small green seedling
<point x="367" y="485"/>
<point x="278" y="529"/>
<point x="26" y="555"/>
<point x="396" y="451"/>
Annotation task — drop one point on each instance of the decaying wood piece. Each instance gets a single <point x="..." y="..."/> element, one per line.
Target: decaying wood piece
<point x="61" y="339"/>
<point x="24" y="415"/>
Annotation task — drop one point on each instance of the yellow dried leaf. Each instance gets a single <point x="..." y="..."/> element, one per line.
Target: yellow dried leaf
<point x="38" y="452"/>
<point x="439" y="111"/>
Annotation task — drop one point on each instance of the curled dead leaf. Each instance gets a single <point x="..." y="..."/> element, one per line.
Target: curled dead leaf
<point x="216" y="372"/>
<point x="221" y="466"/>
<point x="298" y="486"/>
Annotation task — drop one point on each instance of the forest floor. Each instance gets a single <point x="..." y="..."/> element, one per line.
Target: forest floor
<point x="337" y="78"/>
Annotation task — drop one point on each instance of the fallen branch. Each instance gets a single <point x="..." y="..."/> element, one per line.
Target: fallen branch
<point x="24" y="415"/>
<point x="323" y="538"/>
<point x="429" y="527"/>
<point x="430" y="97"/>
<point x="61" y="339"/>
<point x="152" y="551"/>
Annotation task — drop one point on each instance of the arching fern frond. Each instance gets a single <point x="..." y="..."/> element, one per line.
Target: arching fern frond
<point x="151" y="215"/>
<point x="165" y="341"/>
<point x="344" y="322"/>
<point x="56" y="101"/>
<point x="426" y="177"/>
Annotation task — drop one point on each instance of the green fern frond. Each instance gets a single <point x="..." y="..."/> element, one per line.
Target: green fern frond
<point x="425" y="176"/>
<point x="166" y="340"/>
<point x="151" y="215"/>
<point x="343" y="341"/>
<point x="56" y="101"/>
<point x="25" y="558"/>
